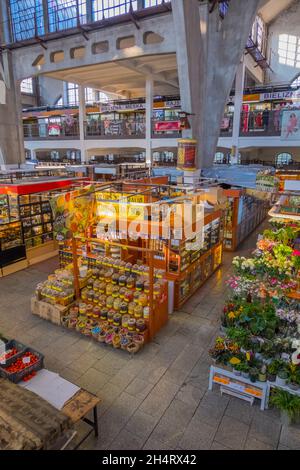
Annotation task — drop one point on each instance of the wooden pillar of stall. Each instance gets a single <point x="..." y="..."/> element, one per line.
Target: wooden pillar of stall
<point x="75" y="268"/>
<point x="152" y="321"/>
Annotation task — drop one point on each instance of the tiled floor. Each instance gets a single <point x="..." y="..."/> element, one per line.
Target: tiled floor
<point x="158" y="399"/>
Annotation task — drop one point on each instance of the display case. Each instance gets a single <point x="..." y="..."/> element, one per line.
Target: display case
<point x="26" y="223"/>
<point x="36" y="219"/>
<point x="243" y="214"/>
<point x="12" y="247"/>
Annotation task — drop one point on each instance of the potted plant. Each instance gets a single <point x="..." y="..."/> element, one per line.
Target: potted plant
<point x="262" y="376"/>
<point x="253" y="374"/>
<point x="272" y="371"/>
<point x="244" y="369"/>
<point x="289" y="406"/>
<point x="293" y="377"/>
<point x="282" y="376"/>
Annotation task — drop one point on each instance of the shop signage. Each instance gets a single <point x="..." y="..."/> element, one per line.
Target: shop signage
<point x="280" y="95"/>
<point x="109" y="107"/>
<point x="164" y="126"/>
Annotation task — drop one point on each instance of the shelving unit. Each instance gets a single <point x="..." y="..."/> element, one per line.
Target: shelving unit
<point x="26" y="222"/>
<point x="242" y="215"/>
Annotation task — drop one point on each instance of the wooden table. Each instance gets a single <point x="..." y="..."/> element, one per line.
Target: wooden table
<point x="77" y="409"/>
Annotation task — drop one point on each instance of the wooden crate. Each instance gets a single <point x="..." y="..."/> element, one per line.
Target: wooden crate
<point x="52" y="313"/>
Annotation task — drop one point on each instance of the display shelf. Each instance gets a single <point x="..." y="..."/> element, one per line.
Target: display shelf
<point x="239" y="384"/>
<point x="242" y="215"/>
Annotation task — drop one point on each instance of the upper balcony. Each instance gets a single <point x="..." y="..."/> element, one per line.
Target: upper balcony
<point x="254" y="124"/>
<point x="102" y="130"/>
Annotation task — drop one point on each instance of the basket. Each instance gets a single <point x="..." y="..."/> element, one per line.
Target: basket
<point x="16" y="377"/>
<point x="9" y="345"/>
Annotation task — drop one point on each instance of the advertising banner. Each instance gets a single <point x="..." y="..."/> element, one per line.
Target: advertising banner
<point x="290" y="126"/>
<point x="73" y="213"/>
<point x="164" y="126"/>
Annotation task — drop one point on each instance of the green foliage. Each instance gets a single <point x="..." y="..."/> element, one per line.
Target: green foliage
<point x="275" y="366"/>
<point x="287" y="403"/>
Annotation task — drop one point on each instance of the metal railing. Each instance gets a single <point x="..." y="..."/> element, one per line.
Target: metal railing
<point x="50" y="131"/>
<point x="107" y="129"/>
<point x="30" y="19"/>
<point x="260" y="123"/>
<point x="254" y="124"/>
<point x="110" y="129"/>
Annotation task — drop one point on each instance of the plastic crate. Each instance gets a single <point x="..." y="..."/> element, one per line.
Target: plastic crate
<point x="9" y="345"/>
<point x="16" y="377"/>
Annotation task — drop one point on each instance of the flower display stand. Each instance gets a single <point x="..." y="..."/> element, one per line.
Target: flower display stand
<point x="239" y="386"/>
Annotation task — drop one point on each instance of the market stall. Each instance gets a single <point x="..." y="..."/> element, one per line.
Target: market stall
<point x="26" y="223"/>
<point x="244" y="212"/>
<point x="257" y="352"/>
<point x="129" y="255"/>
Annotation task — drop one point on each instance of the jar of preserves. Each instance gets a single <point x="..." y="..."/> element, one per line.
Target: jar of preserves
<point x="131" y="324"/>
<point x="122" y="280"/>
<point x="117" y="304"/>
<point x="89" y="310"/>
<point x="130" y="282"/>
<point x="110" y="302"/>
<point x="138" y="311"/>
<point x="123" y="308"/>
<point x="104" y="313"/>
<point x="131" y="307"/>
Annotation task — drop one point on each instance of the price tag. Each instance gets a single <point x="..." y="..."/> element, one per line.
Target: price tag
<point x="26" y="360"/>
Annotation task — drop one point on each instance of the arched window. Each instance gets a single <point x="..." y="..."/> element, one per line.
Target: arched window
<point x="283" y="159"/>
<point x="219" y="157"/>
<point x="296" y="82"/>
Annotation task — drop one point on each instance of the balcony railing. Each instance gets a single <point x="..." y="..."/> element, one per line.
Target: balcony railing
<point x="116" y="129"/>
<point x="260" y="123"/>
<point x="107" y="129"/>
<point x="50" y="131"/>
<point x="254" y="124"/>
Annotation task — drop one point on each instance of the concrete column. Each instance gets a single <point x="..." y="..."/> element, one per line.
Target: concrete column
<point x="238" y="103"/>
<point x="149" y="111"/>
<point x="208" y="53"/>
<point x="186" y="21"/>
<point x="11" y="130"/>
<point x="82" y="118"/>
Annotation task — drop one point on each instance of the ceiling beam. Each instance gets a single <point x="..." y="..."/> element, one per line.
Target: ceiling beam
<point x="147" y="70"/>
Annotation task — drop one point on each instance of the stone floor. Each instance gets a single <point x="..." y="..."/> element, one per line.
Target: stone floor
<point x="158" y="399"/>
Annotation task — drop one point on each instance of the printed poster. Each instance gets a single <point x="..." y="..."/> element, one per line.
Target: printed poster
<point x="290" y="128"/>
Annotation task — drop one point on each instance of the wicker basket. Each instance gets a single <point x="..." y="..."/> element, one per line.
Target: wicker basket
<point x="16" y="377"/>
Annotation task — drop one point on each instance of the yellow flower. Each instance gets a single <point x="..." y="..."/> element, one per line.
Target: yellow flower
<point x="248" y="356"/>
<point x="231" y="315"/>
<point x="234" y="361"/>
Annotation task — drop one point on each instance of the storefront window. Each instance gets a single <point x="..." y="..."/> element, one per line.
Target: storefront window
<point x="283" y="159"/>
